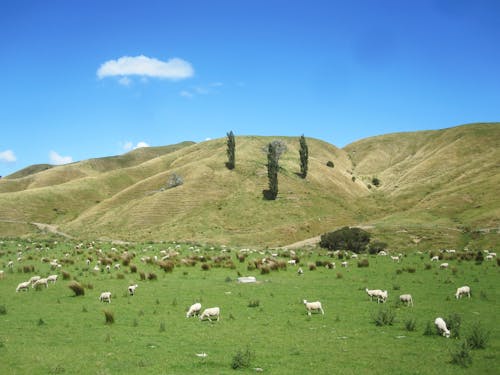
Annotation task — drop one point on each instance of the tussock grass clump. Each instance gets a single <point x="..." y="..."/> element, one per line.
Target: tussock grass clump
<point x="152" y="276"/>
<point x="242" y="359"/>
<point x="109" y="317"/>
<point x="363" y="263"/>
<point x="478" y="337"/>
<point x="411" y="324"/>
<point x="133" y="268"/>
<point x="205" y="267"/>
<point x="77" y="288"/>
<point x="142" y="275"/>
<point x="264" y="270"/>
<point x="66" y="275"/>
<point x="120" y="276"/>
<point x="312" y="267"/>
<point x="339" y="275"/>
<point x="384" y="317"/>
<point x="28" y="269"/>
<point x="254" y="303"/>
<point x="167" y="266"/>
<point x="453" y="322"/>
<point x="427" y="266"/>
<point x="461" y="356"/>
<point x="3" y="310"/>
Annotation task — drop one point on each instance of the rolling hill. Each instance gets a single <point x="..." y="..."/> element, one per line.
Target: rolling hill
<point x="435" y="188"/>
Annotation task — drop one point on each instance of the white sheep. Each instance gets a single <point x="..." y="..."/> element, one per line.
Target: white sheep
<point x="33" y="279"/>
<point x="344" y="264"/>
<point x="292" y="261"/>
<point x="435" y="258"/>
<point x="10" y="264"/>
<point x="210" y="313"/>
<point x="23" y="286"/>
<point x="105" y="297"/>
<point x="132" y="288"/>
<point x="41" y="282"/>
<point x="300" y="271"/>
<point x="441" y="326"/>
<point x="52" y="278"/>
<point x="373" y="293"/>
<point x="194" y="310"/>
<point x="382" y="297"/>
<point x="313" y="306"/>
<point x="463" y="290"/>
<point x="406" y="298"/>
<point x="489" y="257"/>
<point x="2" y="274"/>
<point x="382" y="253"/>
<point x="395" y="258"/>
<point x="443" y="265"/>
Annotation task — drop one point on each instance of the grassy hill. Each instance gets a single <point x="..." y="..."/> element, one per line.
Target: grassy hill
<point x="436" y="188"/>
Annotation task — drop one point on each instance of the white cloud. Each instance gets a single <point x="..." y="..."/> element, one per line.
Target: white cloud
<point x="7" y="156"/>
<point x="173" y="69"/>
<point x="127" y="146"/>
<point x="57" y="159"/>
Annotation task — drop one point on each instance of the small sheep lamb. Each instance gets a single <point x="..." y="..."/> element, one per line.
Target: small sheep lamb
<point x="105" y="297"/>
<point x="194" y="310"/>
<point x="210" y="313"/>
<point x="132" y="288"/>
<point x="23" y="286"/>
<point x="463" y="290"/>
<point x="52" y="278"/>
<point x="441" y="326"/>
<point x="406" y="298"/>
<point x="313" y="306"/>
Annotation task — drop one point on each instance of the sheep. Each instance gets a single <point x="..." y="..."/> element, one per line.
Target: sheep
<point x="435" y="258"/>
<point x="23" y="286"/>
<point x="105" y="297"/>
<point x="2" y="273"/>
<point x="10" y="264"/>
<point x="310" y="306"/>
<point x="108" y="268"/>
<point x="300" y="271"/>
<point x="373" y="293"/>
<point x="382" y="297"/>
<point x="406" y="298"/>
<point x="441" y="326"/>
<point x="344" y="264"/>
<point x="132" y="288"/>
<point x="52" y="278"/>
<point x="117" y="266"/>
<point x="395" y="258"/>
<point x="489" y="257"/>
<point x="463" y="290"/>
<point x="194" y="310"/>
<point x="43" y="281"/>
<point x="443" y="265"/>
<point x="382" y="253"/>
<point x="210" y="312"/>
<point x="292" y="261"/>
<point x="33" y="279"/>
<point x="493" y="254"/>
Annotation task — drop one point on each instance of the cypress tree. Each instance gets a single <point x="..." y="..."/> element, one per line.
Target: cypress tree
<point x="272" y="171"/>
<point x="304" y="156"/>
<point x="231" y="146"/>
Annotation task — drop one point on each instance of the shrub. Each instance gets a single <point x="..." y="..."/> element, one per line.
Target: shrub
<point x="77" y="288"/>
<point x="385" y="317"/>
<point x="242" y="359"/>
<point x="3" y="310"/>
<point x="354" y="239"/>
<point x="427" y="266"/>
<point x="376" y="246"/>
<point x="162" y="327"/>
<point x="462" y="356"/>
<point x="312" y="267"/>
<point x="478" y="337"/>
<point x="152" y="276"/>
<point x="353" y="178"/>
<point x="453" y="322"/>
<point x="109" y="317"/>
<point x="133" y="268"/>
<point x="205" y="267"/>
<point x="120" y="276"/>
<point x="339" y="275"/>
<point x="410" y="269"/>
<point x="264" y="270"/>
<point x="375" y="181"/>
<point x="430" y="329"/>
<point x="330" y="164"/>
<point x="142" y="275"/>
<point x="363" y="263"/>
<point x="167" y="266"/>
<point x="66" y="275"/>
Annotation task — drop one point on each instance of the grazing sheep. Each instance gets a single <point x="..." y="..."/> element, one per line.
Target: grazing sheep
<point x="105" y="297"/>
<point x="33" y="279"/>
<point x="463" y="290"/>
<point x="292" y="261"/>
<point x="382" y="297"/>
<point x="52" y="278"/>
<point x="117" y="266"/>
<point x="443" y="265"/>
<point x="40" y="282"/>
<point x="10" y="264"/>
<point x="210" y="313"/>
<point x="373" y="293"/>
<point x="493" y="254"/>
<point x="344" y="264"/>
<point x="132" y="288"/>
<point x="194" y="310"/>
<point x="316" y="306"/>
<point x="108" y="268"/>
<point x="382" y="253"/>
<point x="299" y="271"/>
<point x="23" y="286"/>
<point x="435" y="258"/>
<point x="489" y="257"/>
<point x="406" y="298"/>
<point x="395" y="258"/>
<point x="441" y="326"/>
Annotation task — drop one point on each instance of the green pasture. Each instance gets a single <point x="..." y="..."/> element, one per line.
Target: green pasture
<point x="51" y="331"/>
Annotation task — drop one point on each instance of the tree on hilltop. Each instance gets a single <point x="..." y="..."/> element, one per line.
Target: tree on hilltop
<point x="304" y="156"/>
<point x="231" y="147"/>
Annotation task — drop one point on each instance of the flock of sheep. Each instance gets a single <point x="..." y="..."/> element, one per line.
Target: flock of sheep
<point x="214" y="312"/>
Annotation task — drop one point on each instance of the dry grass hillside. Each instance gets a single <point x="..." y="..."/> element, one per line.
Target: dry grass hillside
<point x="434" y="184"/>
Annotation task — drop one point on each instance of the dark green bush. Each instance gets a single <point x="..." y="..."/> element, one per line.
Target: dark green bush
<point x="385" y="317"/>
<point x="109" y="317"/>
<point x="330" y="164"/>
<point x="376" y="246"/>
<point x="363" y="263"/>
<point x="478" y="337"/>
<point x="354" y="239"/>
<point x="411" y="324"/>
<point x="242" y="359"/>
<point x="461" y="356"/>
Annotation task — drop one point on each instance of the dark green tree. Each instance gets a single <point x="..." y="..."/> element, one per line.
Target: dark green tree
<point x="272" y="171"/>
<point x="304" y="156"/>
<point x="231" y="147"/>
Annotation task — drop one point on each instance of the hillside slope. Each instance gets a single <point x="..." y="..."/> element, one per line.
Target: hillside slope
<point x="445" y="180"/>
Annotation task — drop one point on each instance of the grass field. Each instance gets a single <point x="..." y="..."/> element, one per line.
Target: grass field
<point x="51" y="331"/>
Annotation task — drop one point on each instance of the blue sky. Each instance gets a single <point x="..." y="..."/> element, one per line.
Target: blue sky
<point x="84" y="79"/>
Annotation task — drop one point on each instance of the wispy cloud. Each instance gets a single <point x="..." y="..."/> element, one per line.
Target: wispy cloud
<point x="173" y="69"/>
<point x="127" y="146"/>
<point x="57" y="159"/>
<point x="7" y="156"/>
<point x="211" y="88"/>
<point x="125" y="81"/>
